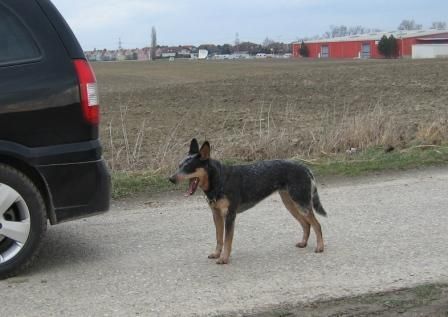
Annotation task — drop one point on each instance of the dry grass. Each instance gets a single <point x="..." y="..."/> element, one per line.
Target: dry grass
<point x="261" y="138"/>
<point x="434" y="133"/>
<point x="268" y="109"/>
<point x="334" y="135"/>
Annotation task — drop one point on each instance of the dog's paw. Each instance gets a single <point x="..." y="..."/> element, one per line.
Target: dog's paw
<point x="319" y="249"/>
<point x="222" y="261"/>
<point x="301" y="245"/>
<point x="214" y="256"/>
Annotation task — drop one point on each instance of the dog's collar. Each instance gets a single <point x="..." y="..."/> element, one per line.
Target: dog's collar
<point x="215" y="191"/>
<point x="213" y="196"/>
<point x="211" y="201"/>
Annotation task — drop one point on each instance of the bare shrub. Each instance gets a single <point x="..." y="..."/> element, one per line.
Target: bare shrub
<point x="335" y="134"/>
<point x="359" y="130"/>
<point x="269" y="133"/>
<point x="435" y="133"/>
<point x="125" y="142"/>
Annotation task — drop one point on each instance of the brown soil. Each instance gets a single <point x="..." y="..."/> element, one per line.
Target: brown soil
<point x="262" y="108"/>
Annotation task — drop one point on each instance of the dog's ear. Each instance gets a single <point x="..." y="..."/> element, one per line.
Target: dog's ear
<point x="194" y="147"/>
<point x="205" y="151"/>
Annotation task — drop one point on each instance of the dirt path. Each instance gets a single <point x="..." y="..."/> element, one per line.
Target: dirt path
<point x="383" y="233"/>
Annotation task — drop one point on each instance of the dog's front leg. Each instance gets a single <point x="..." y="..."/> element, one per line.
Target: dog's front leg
<point x="230" y="227"/>
<point x="218" y="219"/>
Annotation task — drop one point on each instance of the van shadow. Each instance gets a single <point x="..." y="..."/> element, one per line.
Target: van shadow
<point x="62" y="248"/>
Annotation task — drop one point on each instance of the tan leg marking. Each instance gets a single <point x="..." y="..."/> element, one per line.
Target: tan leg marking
<point x="317" y="230"/>
<point x="295" y="212"/>
<point x="219" y="226"/>
<point x="222" y="206"/>
<point x="224" y="259"/>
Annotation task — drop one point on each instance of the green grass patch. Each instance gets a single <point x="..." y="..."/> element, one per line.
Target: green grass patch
<point x="129" y="184"/>
<point x="424" y="300"/>
<point x="427" y="292"/>
<point x="373" y="160"/>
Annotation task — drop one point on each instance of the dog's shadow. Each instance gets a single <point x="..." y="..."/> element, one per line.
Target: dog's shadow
<point x="62" y="248"/>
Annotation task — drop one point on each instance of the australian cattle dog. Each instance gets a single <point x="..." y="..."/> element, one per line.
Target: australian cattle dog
<point x="231" y="190"/>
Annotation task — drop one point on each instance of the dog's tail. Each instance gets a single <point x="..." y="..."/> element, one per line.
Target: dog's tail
<point x="317" y="204"/>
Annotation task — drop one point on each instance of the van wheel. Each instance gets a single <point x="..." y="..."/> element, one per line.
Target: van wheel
<point x="23" y="221"/>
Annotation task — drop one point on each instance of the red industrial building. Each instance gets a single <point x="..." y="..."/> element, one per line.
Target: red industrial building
<point x="366" y="45"/>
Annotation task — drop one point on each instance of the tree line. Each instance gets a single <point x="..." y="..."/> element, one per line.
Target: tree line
<point x="268" y="47"/>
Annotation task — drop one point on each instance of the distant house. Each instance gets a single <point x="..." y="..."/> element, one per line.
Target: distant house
<point x="143" y="54"/>
<point x="184" y="52"/>
<point x="168" y="55"/>
<point x="120" y="56"/>
<point x="106" y="56"/>
<point x="202" y="54"/>
<point x="241" y="55"/>
<point x="98" y="55"/>
<point x="159" y="52"/>
<point x="113" y="55"/>
<point x="91" y="57"/>
<point x="222" y="56"/>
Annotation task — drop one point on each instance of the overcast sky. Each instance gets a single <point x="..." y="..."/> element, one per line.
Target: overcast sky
<point x="99" y="24"/>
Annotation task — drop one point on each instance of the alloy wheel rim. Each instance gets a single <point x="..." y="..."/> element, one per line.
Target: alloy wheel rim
<point x="15" y="223"/>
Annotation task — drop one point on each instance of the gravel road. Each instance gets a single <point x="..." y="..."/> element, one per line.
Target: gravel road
<point x="150" y="259"/>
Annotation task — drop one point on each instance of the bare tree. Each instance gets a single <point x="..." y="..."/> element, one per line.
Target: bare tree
<point x="342" y="30"/>
<point x="153" y="43"/>
<point x="438" y="25"/>
<point x="355" y="30"/>
<point x="409" y="25"/>
<point x="338" y="30"/>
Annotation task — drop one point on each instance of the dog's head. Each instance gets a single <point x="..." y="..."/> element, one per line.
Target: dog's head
<point x="194" y="168"/>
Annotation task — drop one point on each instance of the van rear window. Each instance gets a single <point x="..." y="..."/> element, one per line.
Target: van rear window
<point x="16" y="43"/>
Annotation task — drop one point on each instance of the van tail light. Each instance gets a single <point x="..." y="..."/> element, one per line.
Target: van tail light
<point x="88" y="91"/>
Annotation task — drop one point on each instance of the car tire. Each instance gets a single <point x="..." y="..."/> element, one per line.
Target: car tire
<point x="23" y="221"/>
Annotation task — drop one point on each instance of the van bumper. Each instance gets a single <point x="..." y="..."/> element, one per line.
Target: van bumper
<point x="78" y="189"/>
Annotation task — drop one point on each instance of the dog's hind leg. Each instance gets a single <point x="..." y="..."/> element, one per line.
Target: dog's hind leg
<point x="219" y="226"/>
<point x="317" y="230"/>
<point x="292" y="208"/>
<point x="302" y="200"/>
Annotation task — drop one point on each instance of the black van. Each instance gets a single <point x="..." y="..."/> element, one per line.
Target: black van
<point x="51" y="166"/>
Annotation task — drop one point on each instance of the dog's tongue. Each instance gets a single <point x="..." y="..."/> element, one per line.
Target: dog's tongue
<point x="192" y="188"/>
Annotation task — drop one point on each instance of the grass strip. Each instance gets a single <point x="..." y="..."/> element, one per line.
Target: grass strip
<point x="128" y="184"/>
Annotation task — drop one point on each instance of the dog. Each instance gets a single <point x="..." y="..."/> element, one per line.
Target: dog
<point x="230" y="190"/>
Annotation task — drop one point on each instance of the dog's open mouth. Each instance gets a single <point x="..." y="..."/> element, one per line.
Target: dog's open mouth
<point x="194" y="182"/>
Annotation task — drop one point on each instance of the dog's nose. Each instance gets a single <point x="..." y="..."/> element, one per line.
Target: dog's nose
<point x="173" y="179"/>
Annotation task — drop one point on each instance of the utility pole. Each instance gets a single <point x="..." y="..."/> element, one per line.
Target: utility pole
<point x="237" y="42"/>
